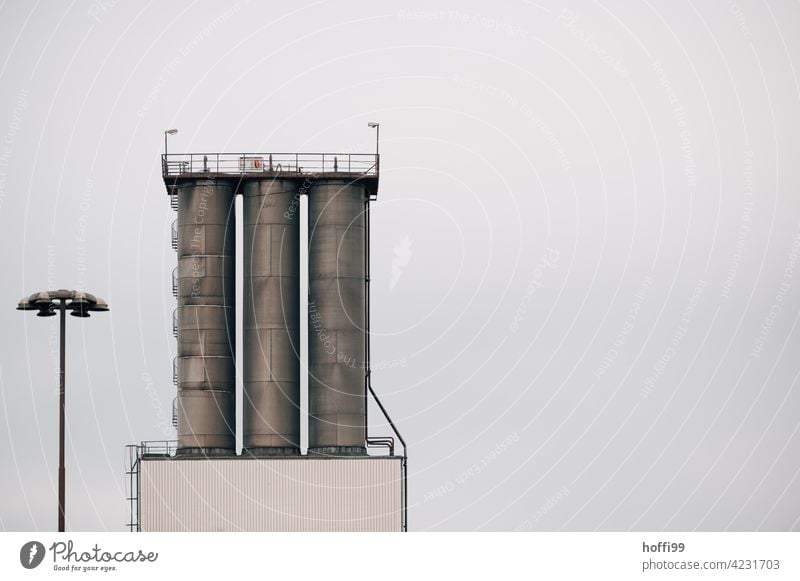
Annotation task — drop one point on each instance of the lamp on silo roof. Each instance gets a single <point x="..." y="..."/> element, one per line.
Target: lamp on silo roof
<point x="167" y="133"/>
<point x="377" y="127"/>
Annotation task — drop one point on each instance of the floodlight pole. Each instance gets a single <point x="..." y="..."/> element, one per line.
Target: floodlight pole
<point x="80" y="304"/>
<point x="61" y="413"/>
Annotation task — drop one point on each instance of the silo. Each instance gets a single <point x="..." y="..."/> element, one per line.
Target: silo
<point x="206" y="373"/>
<point x="336" y="330"/>
<point x="271" y="318"/>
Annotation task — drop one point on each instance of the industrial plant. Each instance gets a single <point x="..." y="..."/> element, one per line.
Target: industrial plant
<point x="347" y="480"/>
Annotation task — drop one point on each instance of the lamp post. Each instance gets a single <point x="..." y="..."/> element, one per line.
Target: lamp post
<point x="377" y="128"/>
<point x="167" y="133"/>
<point x="80" y="304"/>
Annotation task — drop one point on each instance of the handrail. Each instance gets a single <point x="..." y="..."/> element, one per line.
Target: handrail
<point x="388" y="419"/>
<point x="135" y="454"/>
<point x="182" y="164"/>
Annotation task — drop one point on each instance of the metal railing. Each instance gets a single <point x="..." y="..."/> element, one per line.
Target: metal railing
<point x="181" y="164"/>
<point x="158" y="448"/>
<point x="175" y="413"/>
<point x="389" y="443"/>
<point x="132" y="486"/>
<point x="135" y="452"/>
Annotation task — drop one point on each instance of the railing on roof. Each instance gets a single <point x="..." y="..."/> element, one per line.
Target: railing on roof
<point x="135" y="452"/>
<point x="181" y="164"/>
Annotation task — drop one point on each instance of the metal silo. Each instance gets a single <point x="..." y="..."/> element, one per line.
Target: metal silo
<point x="206" y="372"/>
<point x="271" y="398"/>
<point x="336" y="328"/>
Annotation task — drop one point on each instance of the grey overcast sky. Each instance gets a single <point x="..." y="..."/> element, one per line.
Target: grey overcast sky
<point x="585" y="252"/>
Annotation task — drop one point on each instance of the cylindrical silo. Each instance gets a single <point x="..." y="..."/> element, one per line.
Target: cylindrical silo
<point x="336" y="330"/>
<point x="206" y="319"/>
<point x="271" y="318"/>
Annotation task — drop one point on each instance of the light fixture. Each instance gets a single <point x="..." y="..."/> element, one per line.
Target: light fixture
<point x="377" y="127"/>
<point x="167" y="133"/>
<point x="79" y="304"/>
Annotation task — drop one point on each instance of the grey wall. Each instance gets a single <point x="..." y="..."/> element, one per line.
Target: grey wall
<point x="585" y="285"/>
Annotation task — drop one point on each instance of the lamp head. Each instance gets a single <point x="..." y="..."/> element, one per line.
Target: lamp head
<point x="80" y="305"/>
<point x="25" y="305"/>
<point x="46" y="309"/>
<point x="171" y="131"/>
<point x="373" y="124"/>
<point x="99" y="305"/>
<point x="43" y="303"/>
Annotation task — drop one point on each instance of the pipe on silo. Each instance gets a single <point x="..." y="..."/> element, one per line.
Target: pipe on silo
<point x="206" y="317"/>
<point x="271" y="398"/>
<point x="336" y="327"/>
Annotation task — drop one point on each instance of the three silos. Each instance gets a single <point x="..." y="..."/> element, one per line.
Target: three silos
<point x="337" y="336"/>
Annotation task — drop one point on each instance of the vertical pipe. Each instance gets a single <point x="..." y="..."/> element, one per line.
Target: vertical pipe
<point x="405" y="491"/>
<point x="61" y="418"/>
<point x="336" y="328"/>
<point x="368" y="371"/>
<point x="239" y="322"/>
<point x="304" y="329"/>
<point x="271" y="395"/>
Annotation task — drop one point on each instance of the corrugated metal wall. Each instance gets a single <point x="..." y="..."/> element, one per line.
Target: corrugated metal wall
<point x="291" y="494"/>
